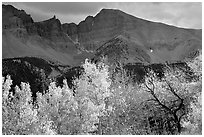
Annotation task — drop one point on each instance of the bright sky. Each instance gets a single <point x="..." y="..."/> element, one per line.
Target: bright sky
<point x="181" y="14"/>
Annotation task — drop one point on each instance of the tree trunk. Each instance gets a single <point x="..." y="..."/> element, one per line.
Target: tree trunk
<point x="178" y="124"/>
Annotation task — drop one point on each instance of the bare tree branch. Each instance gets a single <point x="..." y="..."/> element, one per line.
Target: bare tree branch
<point x="155" y="97"/>
<point x="172" y="90"/>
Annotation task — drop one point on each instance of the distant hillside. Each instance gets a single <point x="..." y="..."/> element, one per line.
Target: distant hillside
<point x="110" y="32"/>
<point x="39" y="72"/>
<point x="144" y="40"/>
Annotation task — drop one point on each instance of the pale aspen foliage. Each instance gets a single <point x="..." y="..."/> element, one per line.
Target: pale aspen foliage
<point x="99" y="105"/>
<point x="92" y="88"/>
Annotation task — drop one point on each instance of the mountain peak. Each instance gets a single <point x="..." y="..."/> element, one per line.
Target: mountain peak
<point x="106" y="11"/>
<point x="110" y="10"/>
<point x="54" y="17"/>
<point x="148" y="41"/>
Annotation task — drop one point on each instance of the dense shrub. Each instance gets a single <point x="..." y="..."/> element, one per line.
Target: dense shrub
<point x="100" y="105"/>
<point x="58" y="110"/>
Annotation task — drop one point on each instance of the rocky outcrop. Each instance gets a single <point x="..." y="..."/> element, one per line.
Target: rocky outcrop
<point x="24" y="37"/>
<point x="94" y="31"/>
<point x="70" y="28"/>
<point x="13" y="17"/>
<point x="49" y="29"/>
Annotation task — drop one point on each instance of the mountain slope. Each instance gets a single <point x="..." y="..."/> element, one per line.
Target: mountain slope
<point x="44" y="39"/>
<point x="168" y="43"/>
<point x="120" y="49"/>
<point x="135" y="39"/>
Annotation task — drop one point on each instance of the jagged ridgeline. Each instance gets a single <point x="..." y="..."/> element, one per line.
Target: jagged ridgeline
<point x="137" y="40"/>
<point x="141" y="77"/>
<point x="38" y="52"/>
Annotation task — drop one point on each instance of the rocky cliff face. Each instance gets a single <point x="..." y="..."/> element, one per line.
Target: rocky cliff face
<point x="110" y="32"/>
<point x="24" y="37"/>
<point x="159" y="42"/>
<point x="49" y="29"/>
<point x="13" y="17"/>
<point x="94" y="31"/>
